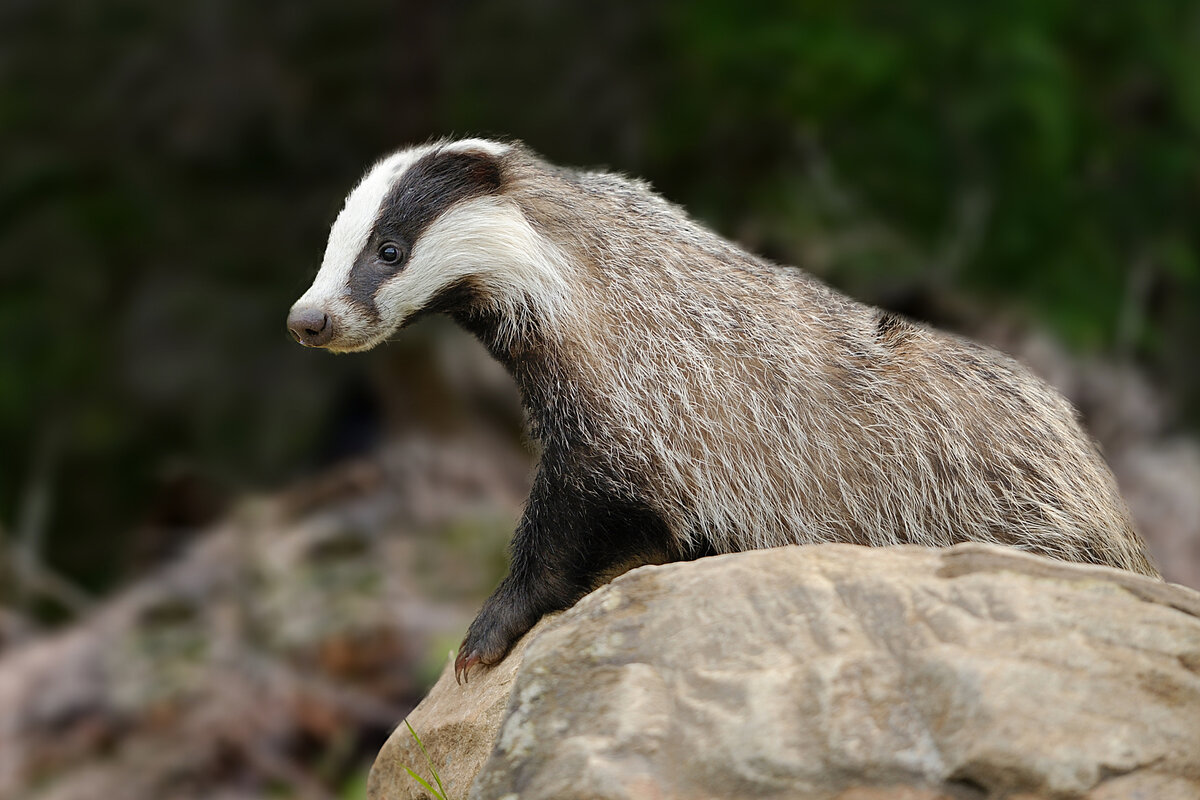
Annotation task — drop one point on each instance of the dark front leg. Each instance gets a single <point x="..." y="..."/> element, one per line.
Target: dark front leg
<point x="506" y="616"/>
<point x="570" y="541"/>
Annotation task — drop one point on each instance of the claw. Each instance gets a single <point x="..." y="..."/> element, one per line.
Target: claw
<point x="462" y="665"/>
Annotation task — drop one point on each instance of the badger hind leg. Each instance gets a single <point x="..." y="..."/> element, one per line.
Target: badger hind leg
<point x="570" y="540"/>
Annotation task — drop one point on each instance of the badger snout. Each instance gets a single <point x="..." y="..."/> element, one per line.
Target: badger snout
<point x="310" y="326"/>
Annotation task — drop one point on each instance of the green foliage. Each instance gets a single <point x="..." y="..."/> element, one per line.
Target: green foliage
<point x="355" y="788"/>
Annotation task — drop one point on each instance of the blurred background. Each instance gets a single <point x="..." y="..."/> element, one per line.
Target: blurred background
<point x="229" y="565"/>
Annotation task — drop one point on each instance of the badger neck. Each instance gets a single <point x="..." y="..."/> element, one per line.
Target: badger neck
<point x="526" y="345"/>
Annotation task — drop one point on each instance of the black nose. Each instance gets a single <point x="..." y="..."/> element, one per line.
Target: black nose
<point x="310" y="326"/>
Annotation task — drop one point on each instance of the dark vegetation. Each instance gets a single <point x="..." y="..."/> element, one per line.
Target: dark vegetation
<point x="170" y="171"/>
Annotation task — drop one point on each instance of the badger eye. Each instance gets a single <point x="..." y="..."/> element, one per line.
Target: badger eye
<point x="389" y="253"/>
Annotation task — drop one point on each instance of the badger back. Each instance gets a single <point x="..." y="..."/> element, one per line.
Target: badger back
<point x="752" y="406"/>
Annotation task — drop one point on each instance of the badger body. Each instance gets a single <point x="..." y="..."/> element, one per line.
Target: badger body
<point x="690" y="398"/>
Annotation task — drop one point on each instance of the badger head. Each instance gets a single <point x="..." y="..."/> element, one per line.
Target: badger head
<point x="422" y="225"/>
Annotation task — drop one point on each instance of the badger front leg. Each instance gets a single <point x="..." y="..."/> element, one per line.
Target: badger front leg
<point x="535" y="585"/>
<point x="569" y="541"/>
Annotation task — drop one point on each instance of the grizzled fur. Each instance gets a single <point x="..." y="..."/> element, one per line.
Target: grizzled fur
<point x="691" y="398"/>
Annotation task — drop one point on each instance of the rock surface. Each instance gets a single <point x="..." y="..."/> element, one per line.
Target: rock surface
<point x="457" y="725"/>
<point x="836" y="672"/>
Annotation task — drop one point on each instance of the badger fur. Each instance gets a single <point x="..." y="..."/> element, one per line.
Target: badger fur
<point x="691" y="398"/>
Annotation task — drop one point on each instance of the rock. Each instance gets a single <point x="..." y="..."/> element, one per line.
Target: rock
<point x="847" y="673"/>
<point x="456" y="723"/>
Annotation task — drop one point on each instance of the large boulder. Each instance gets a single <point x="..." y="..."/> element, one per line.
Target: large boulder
<point x="834" y="671"/>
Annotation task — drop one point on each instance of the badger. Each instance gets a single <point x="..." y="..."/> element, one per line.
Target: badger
<point x="689" y="398"/>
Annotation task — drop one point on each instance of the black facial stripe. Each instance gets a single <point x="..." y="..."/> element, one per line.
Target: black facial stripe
<point x="367" y="309"/>
<point x="427" y="189"/>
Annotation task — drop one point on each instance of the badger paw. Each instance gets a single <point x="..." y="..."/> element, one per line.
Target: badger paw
<point x="463" y="664"/>
<point x="493" y="633"/>
<point x="473" y="651"/>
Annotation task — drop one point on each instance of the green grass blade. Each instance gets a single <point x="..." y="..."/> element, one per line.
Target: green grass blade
<point x="425" y="784"/>
<point x="428" y="760"/>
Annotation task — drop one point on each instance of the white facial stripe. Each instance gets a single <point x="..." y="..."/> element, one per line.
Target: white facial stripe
<point x="353" y="226"/>
<point x="488" y="240"/>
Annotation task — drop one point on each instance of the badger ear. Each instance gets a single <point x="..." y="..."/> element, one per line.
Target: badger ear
<point x="482" y="170"/>
<point x="483" y="147"/>
<point x="481" y="161"/>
